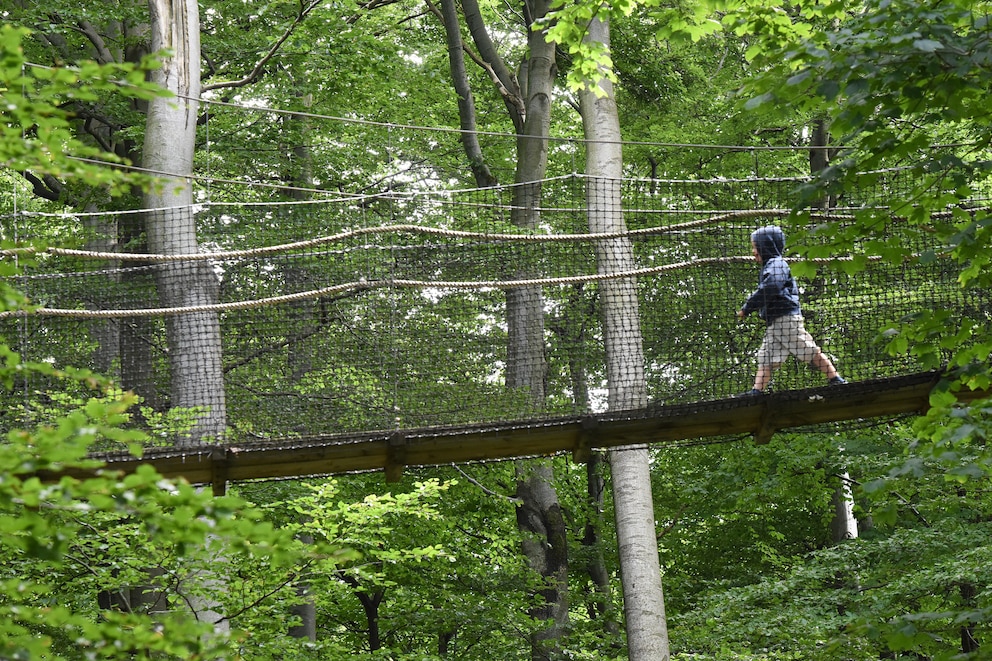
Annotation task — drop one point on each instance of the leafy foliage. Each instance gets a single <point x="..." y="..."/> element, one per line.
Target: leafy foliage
<point x="38" y="135"/>
<point x="65" y="540"/>
<point x="749" y="567"/>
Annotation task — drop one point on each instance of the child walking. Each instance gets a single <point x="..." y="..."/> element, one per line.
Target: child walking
<point x="777" y="302"/>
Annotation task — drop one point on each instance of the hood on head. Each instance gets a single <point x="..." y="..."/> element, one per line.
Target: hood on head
<point x="770" y="242"/>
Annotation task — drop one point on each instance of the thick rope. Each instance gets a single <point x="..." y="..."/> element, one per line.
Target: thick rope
<point x="394" y="229"/>
<point x="362" y="285"/>
<point x="419" y="229"/>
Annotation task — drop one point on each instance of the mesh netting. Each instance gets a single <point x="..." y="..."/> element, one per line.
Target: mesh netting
<point x="391" y="311"/>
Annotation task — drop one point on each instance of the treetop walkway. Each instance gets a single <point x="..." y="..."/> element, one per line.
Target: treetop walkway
<point x="377" y="332"/>
<point x="394" y="451"/>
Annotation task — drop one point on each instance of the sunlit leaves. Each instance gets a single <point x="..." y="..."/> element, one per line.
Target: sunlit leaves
<point x="64" y="539"/>
<point x="37" y="130"/>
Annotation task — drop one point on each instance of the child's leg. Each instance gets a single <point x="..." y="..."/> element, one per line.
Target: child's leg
<point x="764" y="375"/>
<point x="808" y="350"/>
<point x="822" y="363"/>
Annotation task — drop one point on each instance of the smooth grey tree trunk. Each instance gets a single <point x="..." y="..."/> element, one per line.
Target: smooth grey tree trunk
<point x="525" y="365"/>
<point x="528" y="102"/>
<point x="644" y="603"/>
<point x="193" y="338"/>
<point x="844" y="525"/>
<point x="170" y="137"/>
<point x="466" y="100"/>
<point x="299" y="352"/>
<point x="539" y="515"/>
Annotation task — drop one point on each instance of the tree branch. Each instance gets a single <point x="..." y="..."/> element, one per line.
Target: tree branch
<point x="256" y="72"/>
<point x="902" y="499"/>
<point x="297" y="337"/>
<point x="486" y="490"/>
<point x="289" y="580"/>
<point x="504" y="79"/>
<point x="103" y="54"/>
<point x="48" y="187"/>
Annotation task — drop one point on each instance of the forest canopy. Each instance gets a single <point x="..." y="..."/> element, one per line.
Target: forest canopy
<point x="862" y="540"/>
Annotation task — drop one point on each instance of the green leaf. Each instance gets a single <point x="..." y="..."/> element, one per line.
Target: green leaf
<point x="927" y="45"/>
<point x="757" y="101"/>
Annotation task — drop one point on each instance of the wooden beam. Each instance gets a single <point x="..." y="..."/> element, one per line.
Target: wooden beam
<point x="392" y="451"/>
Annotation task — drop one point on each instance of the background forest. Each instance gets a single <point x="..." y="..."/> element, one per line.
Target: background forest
<point x="860" y="541"/>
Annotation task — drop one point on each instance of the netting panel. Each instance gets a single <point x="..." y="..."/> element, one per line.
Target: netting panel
<point x="399" y="318"/>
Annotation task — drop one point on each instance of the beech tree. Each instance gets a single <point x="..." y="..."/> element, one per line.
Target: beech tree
<point x="67" y="538"/>
<point x="528" y="99"/>
<point x="169" y="146"/>
<point x="644" y="604"/>
<point x="743" y="531"/>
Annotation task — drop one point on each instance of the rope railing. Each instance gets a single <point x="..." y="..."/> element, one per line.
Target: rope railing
<point x="362" y="285"/>
<point x="345" y="317"/>
<point x="426" y="230"/>
<point x="390" y="229"/>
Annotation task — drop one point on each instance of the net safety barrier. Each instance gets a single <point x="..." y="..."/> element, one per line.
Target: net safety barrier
<point x="401" y="311"/>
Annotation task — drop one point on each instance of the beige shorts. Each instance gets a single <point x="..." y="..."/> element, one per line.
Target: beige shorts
<point x="784" y="337"/>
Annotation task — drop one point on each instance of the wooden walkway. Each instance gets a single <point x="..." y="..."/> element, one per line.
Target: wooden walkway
<point x="391" y="451"/>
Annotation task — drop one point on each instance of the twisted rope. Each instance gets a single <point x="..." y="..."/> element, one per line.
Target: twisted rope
<point x="388" y="229"/>
<point x="362" y="285"/>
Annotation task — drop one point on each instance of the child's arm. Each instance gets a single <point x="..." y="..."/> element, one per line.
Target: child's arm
<point x="755" y="301"/>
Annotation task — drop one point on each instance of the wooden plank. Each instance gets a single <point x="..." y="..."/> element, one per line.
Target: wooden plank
<point x="391" y="451"/>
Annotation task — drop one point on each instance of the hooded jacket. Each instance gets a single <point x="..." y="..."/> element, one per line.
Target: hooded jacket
<point x="777" y="294"/>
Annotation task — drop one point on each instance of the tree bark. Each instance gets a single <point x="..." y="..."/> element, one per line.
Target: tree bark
<point x="170" y="138"/>
<point x="525" y="363"/>
<point x="601" y="607"/>
<point x="819" y="156"/>
<point x="539" y="515"/>
<point x="844" y="525"/>
<point x="545" y="544"/>
<point x="124" y="345"/>
<point x="969" y="644"/>
<point x="193" y="338"/>
<point x="299" y="359"/>
<point x="466" y="100"/>
<point x="644" y="603"/>
<point x="571" y="330"/>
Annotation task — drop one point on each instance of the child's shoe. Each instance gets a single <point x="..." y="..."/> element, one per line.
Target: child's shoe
<point x="750" y="393"/>
<point x="837" y="381"/>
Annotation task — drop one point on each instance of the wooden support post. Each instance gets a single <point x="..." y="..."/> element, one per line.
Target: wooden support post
<point x="766" y="426"/>
<point x="218" y="471"/>
<point x="396" y="451"/>
<point x="587" y="439"/>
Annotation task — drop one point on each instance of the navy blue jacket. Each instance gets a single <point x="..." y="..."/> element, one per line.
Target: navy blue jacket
<point x="777" y="294"/>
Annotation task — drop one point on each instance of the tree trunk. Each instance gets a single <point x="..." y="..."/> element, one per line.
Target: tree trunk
<point x="299" y="358"/>
<point x="106" y="332"/>
<point x="170" y="139"/>
<point x="525" y="306"/>
<point x="844" y="525"/>
<point x="528" y="103"/>
<point x="601" y="607"/>
<point x="370" y="604"/>
<point x="307" y="609"/>
<point x="819" y="156"/>
<point x="571" y="329"/>
<point x="545" y="544"/>
<point x="644" y="603"/>
<point x="539" y="516"/>
<point x="466" y="101"/>
<point x="969" y="644"/>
